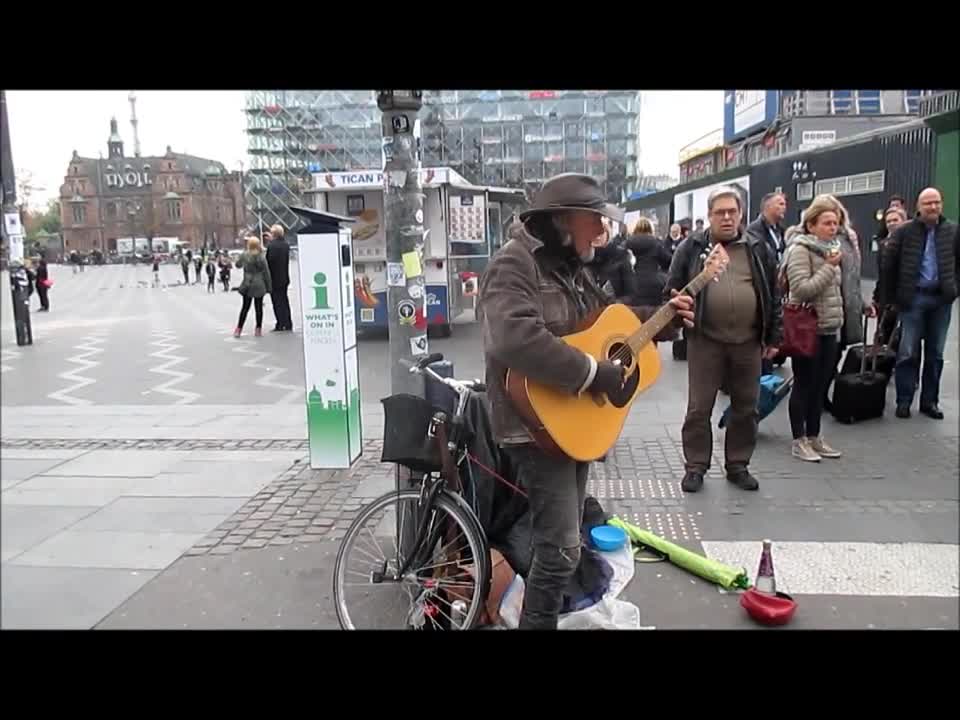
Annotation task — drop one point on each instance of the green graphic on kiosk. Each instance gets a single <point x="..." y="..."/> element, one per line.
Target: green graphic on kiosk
<point x="331" y="425"/>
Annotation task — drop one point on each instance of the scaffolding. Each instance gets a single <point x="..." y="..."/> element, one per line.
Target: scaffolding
<point x="508" y="138"/>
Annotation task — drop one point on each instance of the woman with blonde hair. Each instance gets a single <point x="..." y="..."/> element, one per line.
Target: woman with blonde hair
<point x="812" y="267"/>
<point x="256" y="283"/>
<point x="854" y="304"/>
<point x="650" y="260"/>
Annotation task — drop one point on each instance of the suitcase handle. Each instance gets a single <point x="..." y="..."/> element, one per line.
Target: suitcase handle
<point x="863" y="359"/>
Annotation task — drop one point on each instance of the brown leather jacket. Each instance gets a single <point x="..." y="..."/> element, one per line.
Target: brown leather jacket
<point x="528" y="298"/>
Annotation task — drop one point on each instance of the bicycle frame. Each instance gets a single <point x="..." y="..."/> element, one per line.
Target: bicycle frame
<point x="427" y="538"/>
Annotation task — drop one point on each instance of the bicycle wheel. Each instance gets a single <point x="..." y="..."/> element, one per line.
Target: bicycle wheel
<point x="443" y="590"/>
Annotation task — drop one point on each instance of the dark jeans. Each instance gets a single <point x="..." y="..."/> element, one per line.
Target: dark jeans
<point x="281" y="308"/>
<point x="556" y="490"/>
<point x="710" y="366"/>
<point x="928" y="319"/>
<point x="838" y="357"/>
<point x="811" y="376"/>
<point x="245" y="308"/>
<point x="42" y="292"/>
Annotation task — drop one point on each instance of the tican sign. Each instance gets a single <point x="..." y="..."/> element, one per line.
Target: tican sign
<point x="128" y="178"/>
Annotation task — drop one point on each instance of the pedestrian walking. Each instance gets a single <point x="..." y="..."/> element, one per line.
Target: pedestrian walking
<point x="198" y="267"/>
<point x="738" y="321"/>
<point x="813" y="277"/>
<point x="278" y="258"/>
<point x="536" y="288"/>
<point x="185" y="268"/>
<point x="256" y="283"/>
<point x="156" y="270"/>
<point x="651" y="260"/>
<point x="921" y="269"/>
<point x="211" y="276"/>
<point x="225" y="270"/>
<point x="44" y="283"/>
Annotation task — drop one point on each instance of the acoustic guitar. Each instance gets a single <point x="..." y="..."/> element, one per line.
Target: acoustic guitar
<point x="584" y="427"/>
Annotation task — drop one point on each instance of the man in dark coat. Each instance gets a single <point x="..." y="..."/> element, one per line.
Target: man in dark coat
<point x="537" y="288"/>
<point x="768" y="227"/>
<point x="921" y="267"/>
<point x="278" y="259"/>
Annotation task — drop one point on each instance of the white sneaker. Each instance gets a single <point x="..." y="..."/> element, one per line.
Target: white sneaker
<point x="818" y="445"/>
<point x="802" y="451"/>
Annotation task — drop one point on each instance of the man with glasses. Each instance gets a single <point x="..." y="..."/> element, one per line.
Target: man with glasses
<point x="738" y="322"/>
<point x="921" y="265"/>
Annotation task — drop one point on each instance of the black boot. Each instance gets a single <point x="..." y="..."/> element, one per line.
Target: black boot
<point x="692" y="482"/>
<point x="932" y="411"/>
<point x="744" y="480"/>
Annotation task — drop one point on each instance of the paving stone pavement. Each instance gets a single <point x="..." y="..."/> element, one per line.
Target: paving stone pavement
<point x="150" y="444"/>
<point x="640" y="481"/>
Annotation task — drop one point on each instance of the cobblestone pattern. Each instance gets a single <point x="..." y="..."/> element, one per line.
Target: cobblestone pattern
<point x="301" y="505"/>
<point x="152" y="444"/>
<point x="639" y="481"/>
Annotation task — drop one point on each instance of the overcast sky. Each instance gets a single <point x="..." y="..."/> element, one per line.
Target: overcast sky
<point x="47" y="126"/>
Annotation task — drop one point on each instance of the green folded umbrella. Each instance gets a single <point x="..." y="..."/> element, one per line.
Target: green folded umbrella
<point x="723" y="575"/>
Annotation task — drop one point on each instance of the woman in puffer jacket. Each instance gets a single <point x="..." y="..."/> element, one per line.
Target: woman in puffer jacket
<point x="854" y="304"/>
<point x="812" y="265"/>
<point x="651" y="260"/>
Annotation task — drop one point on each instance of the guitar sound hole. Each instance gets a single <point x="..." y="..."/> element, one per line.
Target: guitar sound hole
<point x="619" y="351"/>
<point x="622" y="397"/>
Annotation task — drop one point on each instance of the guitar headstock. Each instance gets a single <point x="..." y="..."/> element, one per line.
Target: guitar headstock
<point x="716" y="263"/>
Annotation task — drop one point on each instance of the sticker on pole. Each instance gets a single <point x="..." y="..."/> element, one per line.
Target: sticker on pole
<point x="401" y="124"/>
<point x="418" y="345"/>
<point x="407" y="312"/>
<point x="395" y="277"/>
<point x="416" y="291"/>
<point x="419" y="217"/>
<point x="411" y="264"/>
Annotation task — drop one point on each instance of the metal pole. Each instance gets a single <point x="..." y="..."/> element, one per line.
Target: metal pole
<point x="403" y="208"/>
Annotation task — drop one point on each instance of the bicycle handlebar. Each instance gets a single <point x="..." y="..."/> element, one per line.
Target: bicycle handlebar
<point x="458" y="386"/>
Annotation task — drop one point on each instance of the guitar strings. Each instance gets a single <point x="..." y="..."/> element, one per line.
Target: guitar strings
<point x="624" y="353"/>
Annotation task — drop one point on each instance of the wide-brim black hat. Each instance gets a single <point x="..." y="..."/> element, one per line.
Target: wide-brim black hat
<point x="573" y="191"/>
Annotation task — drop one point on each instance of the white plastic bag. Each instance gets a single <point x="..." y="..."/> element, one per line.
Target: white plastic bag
<point x="610" y="613"/>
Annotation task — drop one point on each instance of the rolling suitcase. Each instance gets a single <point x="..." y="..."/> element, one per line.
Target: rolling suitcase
<point x="882" y="357"/>
<point x="861" y="395"/>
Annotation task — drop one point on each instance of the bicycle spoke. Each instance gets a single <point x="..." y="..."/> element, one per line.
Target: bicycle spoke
<point x="373" y="558"/>
<point x="375" y="545"/>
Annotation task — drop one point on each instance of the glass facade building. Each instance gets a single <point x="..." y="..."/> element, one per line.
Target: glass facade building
<point x="512" y="138"/>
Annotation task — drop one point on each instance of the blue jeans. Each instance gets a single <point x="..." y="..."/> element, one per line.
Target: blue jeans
<point x="928" y="319"/>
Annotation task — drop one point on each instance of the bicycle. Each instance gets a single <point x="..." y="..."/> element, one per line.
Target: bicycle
<point x="445" y="574"/>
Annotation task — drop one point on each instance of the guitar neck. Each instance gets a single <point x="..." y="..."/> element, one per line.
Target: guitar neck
<point x="665" y="314"/>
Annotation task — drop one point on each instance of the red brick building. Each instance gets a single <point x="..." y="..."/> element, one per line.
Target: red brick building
<point x="172" y="196"/>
